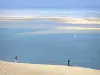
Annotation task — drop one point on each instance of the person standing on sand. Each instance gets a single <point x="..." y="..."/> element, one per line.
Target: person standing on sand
<point x="16" y="58"/>
<point x="68" y="62"/>
<point x="50" y="62"/>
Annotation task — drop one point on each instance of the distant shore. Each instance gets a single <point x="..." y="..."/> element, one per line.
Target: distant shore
<point x="72" y="20"/>
<point x="13" y="68"/>
<point x="76" y="28"/>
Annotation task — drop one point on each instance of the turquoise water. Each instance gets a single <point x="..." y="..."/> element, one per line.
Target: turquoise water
<point x="84" y="50"/>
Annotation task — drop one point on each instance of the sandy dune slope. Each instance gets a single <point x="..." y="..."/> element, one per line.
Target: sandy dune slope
<point x="12" y="68"/>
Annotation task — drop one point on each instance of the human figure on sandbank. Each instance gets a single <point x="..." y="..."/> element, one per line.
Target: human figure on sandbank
<point x="50" y="62"/>
<point x="68" y="62"/>
<point x="16" y="58"/>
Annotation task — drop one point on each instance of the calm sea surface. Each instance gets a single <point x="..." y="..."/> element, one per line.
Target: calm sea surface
<point x="83" y="51"/>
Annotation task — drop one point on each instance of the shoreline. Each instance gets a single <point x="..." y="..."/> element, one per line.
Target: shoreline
<point x="13" y="68"/>
<point x="71" y="20"/>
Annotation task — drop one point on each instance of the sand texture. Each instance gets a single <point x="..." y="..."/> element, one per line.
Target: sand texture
<point x="12" y="68"/>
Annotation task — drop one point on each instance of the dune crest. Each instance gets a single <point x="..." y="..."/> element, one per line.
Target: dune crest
<point x="12" y="68"/>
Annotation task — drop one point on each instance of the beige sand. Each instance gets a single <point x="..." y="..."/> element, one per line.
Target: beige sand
<point x="79" y="20"/>
<point x="72" y="20"/>
<point x="12" y="68"/>
<point x="76" y="28"/>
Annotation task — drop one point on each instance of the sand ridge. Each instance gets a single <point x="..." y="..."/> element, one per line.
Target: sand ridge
<point x="13" y="68"/>
<point x="71" y="20"/>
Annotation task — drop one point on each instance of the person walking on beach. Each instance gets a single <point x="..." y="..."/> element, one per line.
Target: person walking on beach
<point x="16" y="58"/>
<point x="68" y="62"/>
<point x="50" y="62"/>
